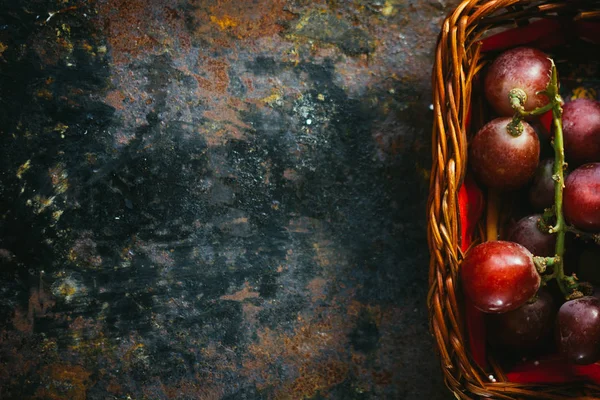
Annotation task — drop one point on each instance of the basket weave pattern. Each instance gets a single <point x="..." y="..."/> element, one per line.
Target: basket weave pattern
<point x="458" y="59"/>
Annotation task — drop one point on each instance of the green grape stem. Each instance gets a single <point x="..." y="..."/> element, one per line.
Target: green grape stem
<point x="567" y="284"/>
<point x="517" y="98"/>
<point x="559" y="182"/>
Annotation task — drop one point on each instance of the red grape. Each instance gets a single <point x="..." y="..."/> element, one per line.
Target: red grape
<point x="527" y="233"/>
<point x="526" y="327"/>
<point x="501" y="160"/>
<point x="581" y="203"/>
<point x="499" y="276"/>
<point x="541" y="193"/>
<point x="524" y="68"/>
<point x="578" y="330"/>
<point x="581" y="130"/>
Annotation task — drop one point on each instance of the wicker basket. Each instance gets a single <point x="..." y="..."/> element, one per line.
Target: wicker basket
<point x="458" y="59"/>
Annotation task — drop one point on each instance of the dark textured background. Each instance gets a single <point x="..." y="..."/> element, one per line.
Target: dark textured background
<point x="215" y="199"/>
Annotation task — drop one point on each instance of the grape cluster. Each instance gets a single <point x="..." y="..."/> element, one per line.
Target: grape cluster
<point x="518" y="279"/>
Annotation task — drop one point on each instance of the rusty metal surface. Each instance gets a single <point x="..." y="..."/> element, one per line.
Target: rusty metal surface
<point x="215" y="199"/>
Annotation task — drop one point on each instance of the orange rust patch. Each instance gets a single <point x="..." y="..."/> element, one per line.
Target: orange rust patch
<point x="44" y="94"/>
<point x="241" y="295"/>
<point x="40" y="303"/>
<point x="317" y="289"/>
<point x="64" y="381"/>
<point x="224" y="23"/>
<point x="22" y="322"/>
<point x="84" y="252"/>
<point x="314" y="379"/>
<point x="325" y="254"/>
<point x="382" y="377"/>
<point x="250" y="312"/>
<point x="316" y="353"/>
<point x="217" y="70"/>
<point x="136" y="27"/>
<point x="302" y="351"/>
<point x="136" y="30"/>
<point x="301" y="225"/>
<point x="355" y="307"/>
<point x="240" y="19"/>
<point x="223" y="109"/>
<point x="126" y="23"/>
<point x="115" y="99"/>
<point x="291" y="175"/>
<point x="191" y="389"/>
<point x="114" y="387"/>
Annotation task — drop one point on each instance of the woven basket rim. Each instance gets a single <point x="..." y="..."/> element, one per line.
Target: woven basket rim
<point x="457" y="62"/>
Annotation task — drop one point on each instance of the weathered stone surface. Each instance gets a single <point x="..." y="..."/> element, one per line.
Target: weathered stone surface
<point x="215" y="199"/>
